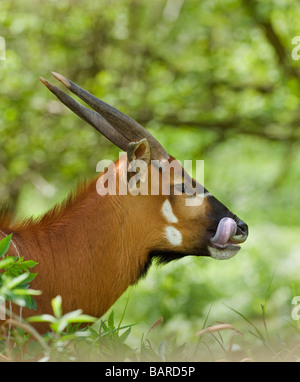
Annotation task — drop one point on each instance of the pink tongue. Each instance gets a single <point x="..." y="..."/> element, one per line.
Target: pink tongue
<point x="226" y="229"/>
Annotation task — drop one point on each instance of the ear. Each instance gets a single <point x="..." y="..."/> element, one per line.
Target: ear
<point x="139" y="151"/>
<point x="139" y="157"/>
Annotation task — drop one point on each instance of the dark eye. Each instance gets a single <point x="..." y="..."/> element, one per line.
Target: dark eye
<point x="180" y="188"/>
<point x="185" y="188"/>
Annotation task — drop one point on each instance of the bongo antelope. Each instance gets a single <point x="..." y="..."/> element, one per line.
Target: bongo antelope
<point x="91" y="247"/>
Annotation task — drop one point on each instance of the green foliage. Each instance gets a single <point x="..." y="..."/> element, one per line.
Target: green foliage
<point x="69" y="341"/>
<point x="212" y="80"/>
<point x="104" y="340"/>
<point x="59" y="322"/>
<point x="15" y="277"/>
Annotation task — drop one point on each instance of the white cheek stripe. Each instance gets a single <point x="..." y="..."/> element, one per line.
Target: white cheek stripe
<point x="173" y="235"/>
<point x="168" y="212"/>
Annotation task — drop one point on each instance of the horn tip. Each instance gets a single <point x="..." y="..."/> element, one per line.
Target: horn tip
<point x="61" y="79"/>
<point x="45" y="82"/>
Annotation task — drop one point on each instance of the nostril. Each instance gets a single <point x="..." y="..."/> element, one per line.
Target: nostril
<point x="243" y="228"/>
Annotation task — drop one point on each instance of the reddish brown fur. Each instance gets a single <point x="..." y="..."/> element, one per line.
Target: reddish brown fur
<point x="91" y="248"/>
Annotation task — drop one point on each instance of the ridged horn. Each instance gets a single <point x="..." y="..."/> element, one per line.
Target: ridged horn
<point x="90" y="116"/>
<point x="131" y="130"/>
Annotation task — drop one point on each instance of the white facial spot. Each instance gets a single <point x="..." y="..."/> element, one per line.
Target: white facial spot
<point x="168" y="212"/>
<point x="173" y="235"/>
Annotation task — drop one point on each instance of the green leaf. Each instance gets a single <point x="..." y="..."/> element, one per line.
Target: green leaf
<point x="93" y="332"/>
<point x="4" y="245"/>
<point x="5" y="263"/>
<point x="110" y="320"/>
<point x="82" y="318"/>
<point x="124" y="335"/>
<point x="42" y="318"/>
<point x="71" y="315"/>
<point x="17" y="280"/>
<point x="56" y="304"/>
<point x="104" y="326"/>
<point x="29" y="264"/>
<point x="23" y="291"/>
<point x="31" y="276"/>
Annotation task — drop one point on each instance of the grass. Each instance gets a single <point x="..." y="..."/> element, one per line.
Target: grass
<point x="108" y="340"/>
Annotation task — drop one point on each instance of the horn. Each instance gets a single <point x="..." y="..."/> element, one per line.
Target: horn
<point x="90" y="116"/>
<point x="131" y="130"/>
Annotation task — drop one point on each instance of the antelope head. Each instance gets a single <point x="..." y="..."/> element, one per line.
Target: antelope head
<point x="184" y="218"/>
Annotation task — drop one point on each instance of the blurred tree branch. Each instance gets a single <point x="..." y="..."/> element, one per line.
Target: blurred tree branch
<point x="265" y="23"/>
<point x="201" y="70"/>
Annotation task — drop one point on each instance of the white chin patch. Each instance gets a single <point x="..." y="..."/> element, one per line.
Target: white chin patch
<point x="173" y="235"/>
<point x="224" y="254"/>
